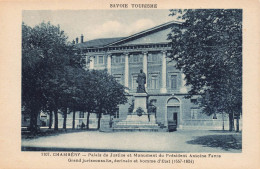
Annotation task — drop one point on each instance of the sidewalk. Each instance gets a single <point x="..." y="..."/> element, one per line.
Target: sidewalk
<point x="124" y="141"/>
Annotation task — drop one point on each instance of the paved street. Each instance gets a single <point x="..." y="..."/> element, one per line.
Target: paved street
<point x="125" y="141"/>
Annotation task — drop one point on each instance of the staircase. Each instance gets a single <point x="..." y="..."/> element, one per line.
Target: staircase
<point x="136" y="123"/>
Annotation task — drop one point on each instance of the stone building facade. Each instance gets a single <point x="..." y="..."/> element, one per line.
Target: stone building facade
<point x="148" y="50"/>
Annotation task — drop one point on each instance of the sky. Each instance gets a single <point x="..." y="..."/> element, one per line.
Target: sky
<point x="95" y="24"/>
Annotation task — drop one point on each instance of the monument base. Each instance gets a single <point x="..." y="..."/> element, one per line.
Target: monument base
<point x="137" y="123"/>
<point x="139" y="120"/>
<point x="140" y="102"/>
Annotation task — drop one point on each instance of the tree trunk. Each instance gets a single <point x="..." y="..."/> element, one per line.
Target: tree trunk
<point x="99" y="118"/>
<point x="56" y="119"/>
<point x="110" y="120"/>
<point x="73" y="119"/>
<point x="231" y="122"/>
<point x="223" y="122"/>
<point x="33" y="120"/>
<point x="65" y="119"/>
<point x="237" y="128"/>
<point x="50" y="119"/>
<point x="88" y="121"/>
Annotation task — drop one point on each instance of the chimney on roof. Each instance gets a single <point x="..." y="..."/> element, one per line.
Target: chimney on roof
<point x="77" y="40"/>
<point x="81" y="38"/>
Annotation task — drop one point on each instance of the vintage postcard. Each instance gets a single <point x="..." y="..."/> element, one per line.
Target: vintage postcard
<point x="133" y="84"/>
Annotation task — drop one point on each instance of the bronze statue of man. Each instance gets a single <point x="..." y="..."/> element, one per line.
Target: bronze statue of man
<point x="141" y="80"/>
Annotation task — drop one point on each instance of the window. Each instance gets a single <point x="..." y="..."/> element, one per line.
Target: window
<point x="100" y="60"/>
<point x="194" y="101"/>
<point x="173" y="82"/>
<point x="118" y="59"/>
<point x="116" y="115"/>
<point x="194" y="113"/>
<point x="153" y="57"/>
<point x="173" y="101"/>
<point x="150" y="57"/>
<point x="136" y="58"/>
<point x="113" y="59"/>
<point x="134" y="83"/>
<point x="118" y="78"/>
<point x="123" y="59"/>
<point x="95" y="60"/>
<point x="154" y="81"/>
<point x="81" y="114"/>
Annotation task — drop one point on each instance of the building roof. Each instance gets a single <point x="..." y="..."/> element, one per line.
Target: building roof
<point x="147" y="31"/>
<point x="98" y="42"/>
<point x="104" y="42"/>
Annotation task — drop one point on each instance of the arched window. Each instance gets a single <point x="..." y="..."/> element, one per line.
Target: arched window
<point x="173" y="101"/>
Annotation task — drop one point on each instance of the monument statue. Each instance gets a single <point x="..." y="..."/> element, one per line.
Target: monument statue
<point x="141" y="80"/>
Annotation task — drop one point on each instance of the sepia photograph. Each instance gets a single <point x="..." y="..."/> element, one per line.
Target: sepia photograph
<point x="150" y="80"/>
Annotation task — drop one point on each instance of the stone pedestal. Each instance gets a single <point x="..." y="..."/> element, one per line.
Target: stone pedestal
<point x="135" y="122"/>
<point x="140" y="101"/>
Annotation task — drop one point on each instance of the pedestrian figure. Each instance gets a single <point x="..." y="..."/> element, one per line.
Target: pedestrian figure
<point x="82" y="125"/>
<point x="111" y="122"/>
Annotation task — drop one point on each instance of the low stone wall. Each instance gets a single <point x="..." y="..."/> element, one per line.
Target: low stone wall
<point x="207" y="124"/>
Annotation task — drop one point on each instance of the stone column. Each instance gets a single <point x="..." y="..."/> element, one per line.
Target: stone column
<point x="109" y="63"/>
<point x="91" y="63"/>
<point x="163" y="87"/>
<point x="145" y="68"/>
<point x="126" y="69"/>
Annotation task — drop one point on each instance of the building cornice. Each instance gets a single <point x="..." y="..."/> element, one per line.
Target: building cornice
<point x="131" y="48"/>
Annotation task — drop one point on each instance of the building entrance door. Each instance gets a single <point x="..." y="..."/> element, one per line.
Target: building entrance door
<point x="173" y="114"/>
